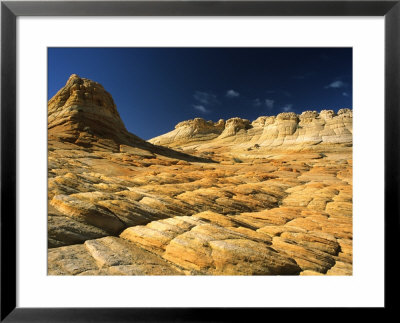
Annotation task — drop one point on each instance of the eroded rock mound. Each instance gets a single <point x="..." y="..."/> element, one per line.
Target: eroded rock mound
<point x="233" y="126"/>
<point x="287" y="130"/>
<point x="194" y="130"/>
<point x="83" y="112"/>
<point x="121" y="206"/>
<point x="90" y="154"/>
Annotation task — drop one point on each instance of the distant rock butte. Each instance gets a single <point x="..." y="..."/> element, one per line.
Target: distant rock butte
<point x="286" y="130"/>
<point x="84" y="113"/>
<point x="275" y="200"/>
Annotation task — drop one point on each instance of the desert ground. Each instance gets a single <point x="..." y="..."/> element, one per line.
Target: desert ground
<point x="267" y="197"/>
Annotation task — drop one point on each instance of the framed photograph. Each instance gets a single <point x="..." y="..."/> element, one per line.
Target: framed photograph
<point x="187" y="160"/>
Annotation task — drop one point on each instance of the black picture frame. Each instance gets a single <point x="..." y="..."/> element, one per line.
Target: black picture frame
<point x="10" y="10"/>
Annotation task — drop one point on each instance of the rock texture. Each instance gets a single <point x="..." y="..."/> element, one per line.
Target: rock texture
<point x="83" y="113"/>
<point x="227" y="205"/>
<point x="287" y="131"/>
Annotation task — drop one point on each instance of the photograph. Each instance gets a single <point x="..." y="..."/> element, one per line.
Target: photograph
<point x="193" y="160"/>
<point x="166" y="161"/>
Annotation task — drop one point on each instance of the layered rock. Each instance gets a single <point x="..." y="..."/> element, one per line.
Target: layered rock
<point x="121" y="206"/>
<point x="194" y="130"/>
<point x="287" y="131"/>
<point x="84" y="113"/>
<point x="233" y="126"/>
<point x="88" y="141"/>
<point x="285" y="214"/>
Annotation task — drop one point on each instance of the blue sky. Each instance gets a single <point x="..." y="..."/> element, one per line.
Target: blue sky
<point x="155" y="88"/>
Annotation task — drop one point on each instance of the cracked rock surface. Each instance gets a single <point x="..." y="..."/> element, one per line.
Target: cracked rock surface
<point x="244" y="203"/>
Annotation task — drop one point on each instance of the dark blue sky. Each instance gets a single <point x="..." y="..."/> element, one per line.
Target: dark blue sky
<point x="155" y="88"/>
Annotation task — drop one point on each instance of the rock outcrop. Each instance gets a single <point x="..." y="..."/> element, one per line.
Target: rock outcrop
<point x="287" y="131"/>
<point x="121" y="206"/>
<point x="86" y="135"/>
<point x="84" y="113"/>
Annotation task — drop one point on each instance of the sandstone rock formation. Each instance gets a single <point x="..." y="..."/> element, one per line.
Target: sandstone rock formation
<point x="287" y="130"/>
<point x="276" y="203"/>
<point x="83" y="113"/>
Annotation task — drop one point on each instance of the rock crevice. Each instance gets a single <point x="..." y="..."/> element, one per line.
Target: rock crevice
<point x="118" y="205"/>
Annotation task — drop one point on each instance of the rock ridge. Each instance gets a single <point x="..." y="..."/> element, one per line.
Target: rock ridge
<point x="287" y="129"/>
<point x="118" y="205"/>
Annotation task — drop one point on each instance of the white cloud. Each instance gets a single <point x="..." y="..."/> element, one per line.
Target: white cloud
<point x="335" y="85"/>
<point x="269" y="103"/>
<point x="232" y="94"/>
<point x="287" y="107"/>
<point x="201" y="108"/>
<point x="205" y="98"/>
<point x="345" y="94"/>
<point x="257" y="103"/>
